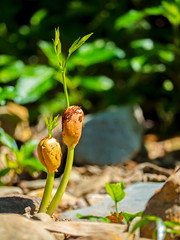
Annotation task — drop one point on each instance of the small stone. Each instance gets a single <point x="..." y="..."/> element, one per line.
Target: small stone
<point x="19" y="204"/>
<point x="93" y="198"/>
<point x="42" y="217"/>
<point x="17" y="227"/>
<point x="4" y="190"/>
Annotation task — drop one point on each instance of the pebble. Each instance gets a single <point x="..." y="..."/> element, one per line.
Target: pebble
<point x="4" y="190"/>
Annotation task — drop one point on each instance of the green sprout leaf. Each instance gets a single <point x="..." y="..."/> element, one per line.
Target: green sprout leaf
<point x="4" y="171"/>
<point x="128" y="217"/>
<point x="93" y="218"/>
<point x="28" y="147"/>
<point x="78" y="43"/>
<point x="116" y="191"/>
<point x="7" y="140"/>
<point x="51" y="123"/>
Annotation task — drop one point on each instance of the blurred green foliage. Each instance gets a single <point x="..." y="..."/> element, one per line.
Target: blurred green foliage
<point x="133" y="56"/>
<point x="22" y="157"/>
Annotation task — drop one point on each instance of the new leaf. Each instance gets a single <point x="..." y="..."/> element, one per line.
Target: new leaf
<point x="116" y="191"/>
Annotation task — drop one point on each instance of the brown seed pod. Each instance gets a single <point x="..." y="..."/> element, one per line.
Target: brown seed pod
<point x="49" y="153"/>
<point x="72" y="122"/>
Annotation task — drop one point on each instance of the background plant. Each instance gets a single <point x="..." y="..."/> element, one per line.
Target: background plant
<point x="134" y="57"/>
<point x="22" y="157"/>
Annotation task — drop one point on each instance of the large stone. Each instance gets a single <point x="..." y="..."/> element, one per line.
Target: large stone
<point x="111" y="136"/>
<point x="17" y="227"/>
<point x="137" y="195"/>
<point x="19" y="204"/>
<point x="165" y="204"/>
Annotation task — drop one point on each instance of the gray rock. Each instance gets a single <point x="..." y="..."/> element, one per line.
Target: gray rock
<point x="17" y="227"/>
<point x="19" y="204"/>
<point x="4" y="190"/>
<point x="111" y="136"/>
<point x="136" y="198"/>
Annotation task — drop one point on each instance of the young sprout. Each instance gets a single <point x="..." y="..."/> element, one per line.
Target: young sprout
<point x="49" y="153"/>
<point x="72" y="119"/>
<point x="72" y="122"/>
<point x="117" y="193"/>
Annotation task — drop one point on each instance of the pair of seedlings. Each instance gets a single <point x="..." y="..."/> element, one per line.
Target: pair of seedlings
<point x="49" y="153"/>
<point x="49" y="150"/>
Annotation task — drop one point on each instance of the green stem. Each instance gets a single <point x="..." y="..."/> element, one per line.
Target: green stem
<point x="47" y="192"/>
<point x="65" y="86"/>
<point x="62" y="186"/>
<point x="117" y="213"/>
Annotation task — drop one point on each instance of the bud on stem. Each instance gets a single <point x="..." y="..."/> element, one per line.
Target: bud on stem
<point x="72" y="122"/>
<point x="49" y="153"/>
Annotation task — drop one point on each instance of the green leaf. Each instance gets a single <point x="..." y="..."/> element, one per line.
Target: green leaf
<point x="93" y="218"/>
<point x="97" y="83"/>
<point x="49" y="52"/>
<point x="5" y="59"/>
<point x="7" y="93"/>
<point x="34" y="164"/>
<point x="128" y="217"/>
<point x="146" y="44"/>
<point x="38" y="17"/>
<point x="154" y="11"/>
<point x="35" y="82"/>
<point x="172" y="12"/>
<point x="4" y="171"/>
<point x="28" y="148"/>
<point x="96" y="52"/>
<point x="116" y="191"/>
<point x="51" y="123"/>
<point x="10" y="163"/>
<point x="138" y="62"/>
<point x="144" y="220"/>
<point x="78" y="43"/>
<point x="171" y="224"/>
<point x="166" y="55"/>
<point x="7" y="140"/>
<point x="129" y="19"/>
<point x="57" y="37"/>
<point x="11" y="71"/>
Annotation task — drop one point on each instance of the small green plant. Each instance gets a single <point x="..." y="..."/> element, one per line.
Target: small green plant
<point x="117" y="193"/>
<point x="72" y="120"/>
<point x="162" y="227"/>
<point x="49" y="152"/>
<point x="22" y="158"/>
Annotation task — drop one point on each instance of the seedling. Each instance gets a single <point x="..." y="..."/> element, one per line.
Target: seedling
<point x="72" y="121"/>
<point x="22" y="157"/>
<point x="117" y="193"/>
<point x="49" y="152"/>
